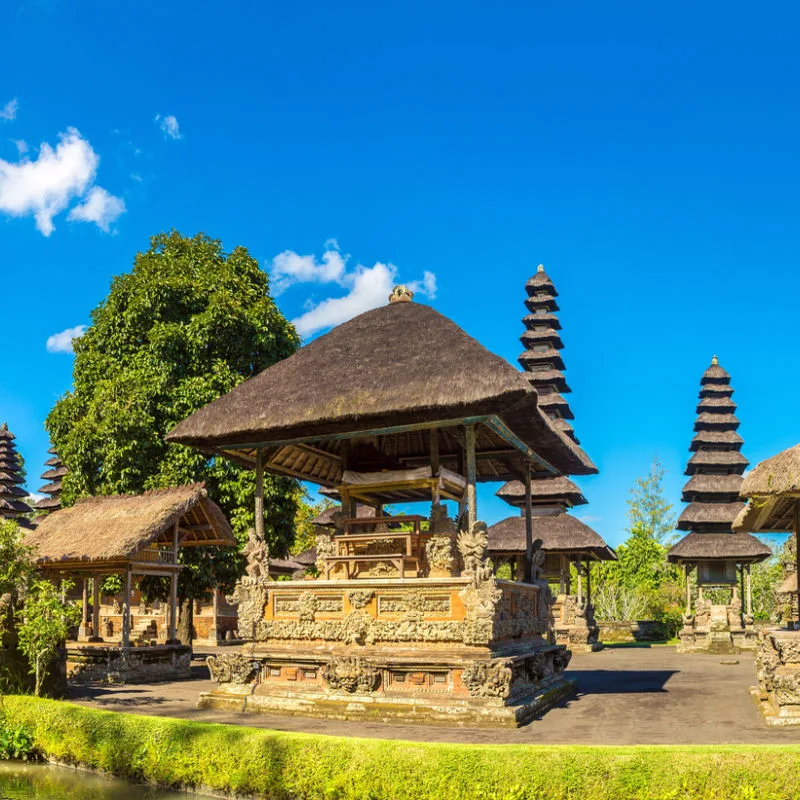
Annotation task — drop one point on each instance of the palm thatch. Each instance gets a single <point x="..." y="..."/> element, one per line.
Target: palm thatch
<point x="115" y="529"/>
<point x="716" y="405"/>
<point x="541" y="319"/>
<point x="707" y="420"/>
<point x="544" y="491"/>
<point x="540" y="282"/>
<point x="724" y="486"/>
<point x="715" y="374"/>
<point x="11" y="507"/>
<point x="718" y="546"/>
<point x="325" y="518"/>
<point x="727" y="439"/>
<point x="733" y="460"/>
<point x="700" y="514"/>
<point x="550" y="356"/>
<point x="560" y="533"/>
<point x="541" y="301"/>
<point x="401" y="364"/>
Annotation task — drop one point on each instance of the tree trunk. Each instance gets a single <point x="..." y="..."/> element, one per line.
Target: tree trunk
<point x="186" y="622"/>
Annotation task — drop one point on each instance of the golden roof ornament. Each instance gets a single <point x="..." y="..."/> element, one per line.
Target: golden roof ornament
<point x="540" y="268"/>
<point x="401" y="294"/>
<point x="714" y="361"/>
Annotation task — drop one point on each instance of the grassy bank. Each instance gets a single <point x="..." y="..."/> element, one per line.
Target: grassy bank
<point x="280" y="766"/>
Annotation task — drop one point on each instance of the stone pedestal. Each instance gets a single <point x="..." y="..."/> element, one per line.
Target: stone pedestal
<point x="574" y="624"/>
<point x="778" y="673"/>
<point x="717" y="629"/>
<point x="471" y="650"/>
<point x="116" y="664"/>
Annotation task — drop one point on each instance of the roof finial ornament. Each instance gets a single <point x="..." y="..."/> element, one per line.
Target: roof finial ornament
<point x="540" y="268"/>
<point x="401" y="294"/>
<point x="714" y="361"/>
<point x="5" y="427"/>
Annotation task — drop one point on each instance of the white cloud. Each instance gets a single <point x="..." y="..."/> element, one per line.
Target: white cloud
<point x="9" y="111"/>
<point x="169" y="126"/>
<point x="368" y="287"/>
<point x="45" y="187"/>
<point x="22" y="146"/>
<point x="99" y="207"/>
<point x="588" y="519"/>
<point x="62" y="342"/>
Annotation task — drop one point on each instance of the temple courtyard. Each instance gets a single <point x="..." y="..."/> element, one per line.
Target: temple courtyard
<point x="626" y="695"/>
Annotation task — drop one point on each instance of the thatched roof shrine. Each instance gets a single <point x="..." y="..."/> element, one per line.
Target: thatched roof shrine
<point x="115" y="530"/>
<point x="544" y="491"/>
<point x="12" y="507"/>
<point x="712" y="491"/>
<point x="386" y="378"/>
<point x="53" y="489"/>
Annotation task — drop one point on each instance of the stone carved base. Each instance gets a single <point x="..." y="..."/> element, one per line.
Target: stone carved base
<point x="778" y="673"/>
<point x="574" y="624"/>
<point x="717" y="629"/>
<point x="115" y="664"/>
<point x="442" y="688"/>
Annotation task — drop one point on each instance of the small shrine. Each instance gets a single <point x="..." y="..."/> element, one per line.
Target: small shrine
<point x="131" y="536"/>
<point x="406" y="619"/>
<point x="54" y="475"/>
<point x="566" y="542"/>
<point x="772" y="490"/>
<point x="12" y="495"/>
<point x="720" y="556"/>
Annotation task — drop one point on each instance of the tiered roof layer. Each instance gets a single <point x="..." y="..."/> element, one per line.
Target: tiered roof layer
<point x="12" y="505"/>
<point x="54" y="476"/>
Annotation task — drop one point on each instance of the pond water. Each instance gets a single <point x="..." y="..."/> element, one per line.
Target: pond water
<point x="44" y="782"/>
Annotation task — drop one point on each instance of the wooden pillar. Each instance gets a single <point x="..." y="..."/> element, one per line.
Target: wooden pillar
<point x="687" y="570"/>
<point x="472" y="495"/>
<point x="126" y="608"/>
<point x="436" y="487"/>
<point x="748" y="587"/>
<point x="83" y="630"/>
<point x="580" y="581"/>
<point x="259" y="494"/>
<point x="588" y="582"/>
<point x="96" y="634"/>
<point x="173" y="582"/>
<point x="797" y="548"/>
<point x="528" y="525"/>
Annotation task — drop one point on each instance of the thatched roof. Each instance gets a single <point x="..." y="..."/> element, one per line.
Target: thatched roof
<point x="403" y="364"/>
<point x="726" y="485"/>
<point x="11" y="507"/>
<point x="706" y="420"/>
<point x="708" y="514"/>
<point x="553" y="401"/>
<point x="560" y="533"/>
<point x="549" y="336"/>
<point x="715" y="374"/>
<point x="773" y="489"/>
<point x="307" y="557"/>
<point x="543" y="492"/>
<point x="716" y="390"/>
<point x="712" y="546"/>
<point x="325" y="518"/>
<point x="550" y="377"/>
<point x="10" y="477"/>
<point x="541" y="301"/>
<point x="535" y="320"/>
<point x="115" y="529"/>
<point x="732" y="459"/>
<point x="716" y="405"/>
<point x="540" y="282"/>
<point x="550" y="356"/>
<point x="729" y="439"/>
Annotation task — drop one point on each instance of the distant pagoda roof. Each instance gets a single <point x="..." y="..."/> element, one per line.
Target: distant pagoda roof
<point x="550" y="377"/>
<point x="540" y="282"/>
<point x="11" y="507"/>
<point x="541" y="319"/>
<point x="553" y="400"/>
<point x="718" y="546"/>
<point x="549" y="336"/>
<point x="52" y="501"/>
<point x="715" y="469"/>
<point x="544" y="491"/>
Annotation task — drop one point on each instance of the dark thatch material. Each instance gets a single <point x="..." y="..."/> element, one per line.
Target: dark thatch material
<point x="544" y="491"/>
<point x="773" y="476"/>
<point x="53" y="474"/>
<point x="307" y="558"/>
<point x="560" y="533"/>
<point x="541" y="301"/>
<point x="325" y="518"/>
<point x="403" y="363"/>
<point x="554" y="402"/>
<point x="698" y="514"/>
<point x="716" y="405"/>
<point x="719" y="546"/>
<point x="10" y="477"/>
<point x="729" y="439"/>
<point x="550" y="377"/>
<point x="715" y="374"/>
<point x="537" y="320"/>
<point x="540" y="282"/>
<point x="116" y="529"/>
<point x="550" y="337"/>
<point x="727" y="486"/>
<point x="707" y="420"/>
<point x="11" y="507"/>
<point x="715" y="390"/>
<point x="54" y="488"/>
<point x="549" y="356"/>
<point x="731" y="459"/>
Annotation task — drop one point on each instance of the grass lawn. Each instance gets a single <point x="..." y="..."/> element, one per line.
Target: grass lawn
<point x="279" y="766"/>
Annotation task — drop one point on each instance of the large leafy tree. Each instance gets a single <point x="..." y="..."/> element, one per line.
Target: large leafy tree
<point x="184" y="326"/>
<point x="649" y="512"/>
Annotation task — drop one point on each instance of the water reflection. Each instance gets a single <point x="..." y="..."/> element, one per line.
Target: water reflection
<point x="44" y="782"/>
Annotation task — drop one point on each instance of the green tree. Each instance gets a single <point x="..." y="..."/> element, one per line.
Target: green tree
<point x="47" y="619"/>
<point x="187" y="324"/>
<point x="648" y="511"/>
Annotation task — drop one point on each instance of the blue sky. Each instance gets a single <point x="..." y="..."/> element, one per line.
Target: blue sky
<point x="648" y="156"/>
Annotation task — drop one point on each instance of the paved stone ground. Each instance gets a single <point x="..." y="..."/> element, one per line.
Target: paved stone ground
<point x="641" y="695"/>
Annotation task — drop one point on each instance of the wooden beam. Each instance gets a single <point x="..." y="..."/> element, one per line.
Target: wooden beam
<point x="505" y="433"/>
<point x="528" y="526"/>
<point x="472" y="496"/>
<point x="259" y="510"/>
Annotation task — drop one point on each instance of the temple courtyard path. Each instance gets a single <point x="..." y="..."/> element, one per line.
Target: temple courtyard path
<point x="626" y="695"/>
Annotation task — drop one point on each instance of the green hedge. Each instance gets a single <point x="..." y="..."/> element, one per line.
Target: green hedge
<point x="279" y="766"/>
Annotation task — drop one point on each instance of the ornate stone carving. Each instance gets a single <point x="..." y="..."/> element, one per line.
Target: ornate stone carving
<point x="307" y="606"/>
<point x="232" y="668"/>
<point x="472" y="546"/>
<point x="257" y="555"/>
<point x="351" y="675"/>
<point x="561" y="659"/>
<point x="537" y="560"/>
<point x="325" y="548"/>
<point x="480" y="599"/>
<point x="360" y="598"/>
<point x="414" y="601"/>
<point x="250" y="595"/>
<point x="439" y="552"/>
<point x="786" y="683"/>
<point x="488" y="680"/>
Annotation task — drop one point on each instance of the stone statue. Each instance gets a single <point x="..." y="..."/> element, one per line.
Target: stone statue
<point x="257" y="555"/>
<point x="473" y="545"/>
<point x="537" y="561"/>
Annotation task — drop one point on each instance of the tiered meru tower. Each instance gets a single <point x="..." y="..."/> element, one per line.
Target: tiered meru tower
<point x="12" y="504"/>
<point x="721" y="557"/>
<point x="54" y="476"/>
<point x="565" y="539"/>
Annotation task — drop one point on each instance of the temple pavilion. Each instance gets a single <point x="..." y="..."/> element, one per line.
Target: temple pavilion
<point x="12" y="495"/>
<point x="54" y="476"/>
<point x="407" y="619"/>
<point x="720" y="557"/>
<point x="566" y="541"/>
<point x="772" y="490"/>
